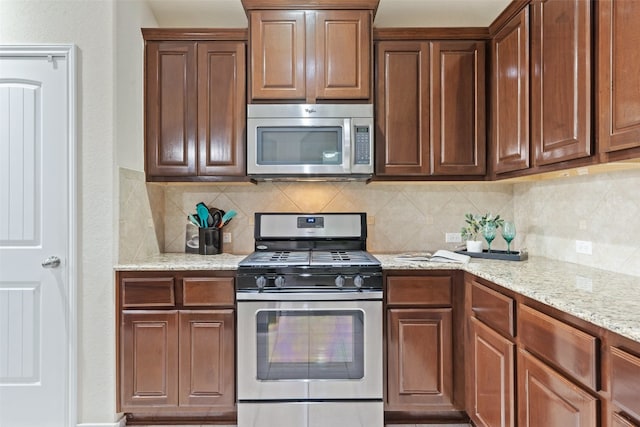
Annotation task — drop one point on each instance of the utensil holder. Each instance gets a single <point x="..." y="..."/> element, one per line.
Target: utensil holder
<point x="210" y="241"/>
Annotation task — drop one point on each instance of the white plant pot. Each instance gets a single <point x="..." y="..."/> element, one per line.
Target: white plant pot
<point x="474" y="245"/>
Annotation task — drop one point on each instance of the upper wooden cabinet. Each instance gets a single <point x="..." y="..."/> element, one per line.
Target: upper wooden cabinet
<point x="195" y="107"/>
<point x="510" y="95"/>
<point x="430" y="103"/>
<point x="402" y="108"/>
<point x="310" y="55"/>
<point x="618" y="75"/>
<point x="561" y="80"/>
<point x="458" y="136"/>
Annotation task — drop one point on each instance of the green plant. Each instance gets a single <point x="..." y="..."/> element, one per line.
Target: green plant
<point x="475" y="223"/>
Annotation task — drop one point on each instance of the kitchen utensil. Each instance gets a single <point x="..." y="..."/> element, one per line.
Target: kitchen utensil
<point x="193" y="220"/>
<point x="227" y="217"/>
<point x="203" y="214"/>
<point x="215" y="217"/>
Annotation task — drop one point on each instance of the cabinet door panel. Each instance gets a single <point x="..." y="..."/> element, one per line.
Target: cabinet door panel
<point x="458" y="107"/>
<point x="278" y="62"/>
<point x="149" y="357"/>
<point x="619" y="75"/>
<point x="561" y="80"/>
<point x="625" y="381"/>
<point x="545" y="398"/>
<point x="221" y="108"/>
<point x="492" y="377"/>
<point x="510" y="100"/>
<point x="420" y="367"/>
<point x="343" y="54"/>
<point x="171" y="104"/>
<point x="402" y="109"/>
<point x="207" y="359"/>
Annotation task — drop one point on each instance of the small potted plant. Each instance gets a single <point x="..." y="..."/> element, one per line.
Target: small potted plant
<point x="473" y="228"/>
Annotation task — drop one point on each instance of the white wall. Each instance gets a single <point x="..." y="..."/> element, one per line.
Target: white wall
<point x="90" y="24"/>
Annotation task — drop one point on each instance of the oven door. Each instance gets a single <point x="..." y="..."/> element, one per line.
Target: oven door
<point x="293" y="146"/>
<point x="329" y="349"/>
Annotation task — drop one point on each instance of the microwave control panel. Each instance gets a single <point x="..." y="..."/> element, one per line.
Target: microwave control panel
<point x="362" y="145"/>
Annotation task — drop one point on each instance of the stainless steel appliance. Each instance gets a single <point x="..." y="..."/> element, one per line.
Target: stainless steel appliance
<point x="310" y="140"/>
<point x="310" y="324"/>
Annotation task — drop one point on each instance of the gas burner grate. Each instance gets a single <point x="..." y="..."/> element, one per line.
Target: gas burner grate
<point x="340" y="256"/>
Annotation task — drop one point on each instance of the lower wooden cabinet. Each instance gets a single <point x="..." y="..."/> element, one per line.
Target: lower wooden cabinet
<point x="421" y="337"/>
<point x="546" y="398"/>
<point x="176" y="346"/>
<point x="491" y="368"/>
<point x="624" y="372"/>
<point x="419" y="363"/>
<point x="149" y="359"/>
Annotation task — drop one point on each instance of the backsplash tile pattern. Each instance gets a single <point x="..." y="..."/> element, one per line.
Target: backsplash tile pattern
<point x="141" y="217"/>
<point x="403" y="217"/>
<point x="550" y="215"/>
<point x="603" y="209"/>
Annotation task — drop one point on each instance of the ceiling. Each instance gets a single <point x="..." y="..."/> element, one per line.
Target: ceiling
<point x="391" y="13"/>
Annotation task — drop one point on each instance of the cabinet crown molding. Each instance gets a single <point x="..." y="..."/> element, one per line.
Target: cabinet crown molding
<point x="194" y="34"/>
<point x="310" y="4"/>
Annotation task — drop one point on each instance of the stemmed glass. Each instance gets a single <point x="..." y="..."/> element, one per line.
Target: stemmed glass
<point x="489" y="233"/>
<point x="508" y="233"/>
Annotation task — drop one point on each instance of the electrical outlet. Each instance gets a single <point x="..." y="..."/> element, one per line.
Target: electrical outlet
<point x="226" y="237"/>
<point x="371" y="220"/>
<point x="428" y="220"/>
<point x="582" y="224"/>
<point x="453" y="237"/>
<point x="583" y="247"/>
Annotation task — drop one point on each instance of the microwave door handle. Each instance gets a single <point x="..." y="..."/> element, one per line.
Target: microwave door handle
<point x="347" y="146"/>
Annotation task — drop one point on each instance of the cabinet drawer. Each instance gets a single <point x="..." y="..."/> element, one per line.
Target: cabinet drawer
<point x="567" y="348"/>
<point x="208" y="291"/>
<point x="493" y="308"/>
<point x="625" y="381"/>
<point x="618" y="420"/>
<point x="148" y="292"/>
<point x="419" y="290"/>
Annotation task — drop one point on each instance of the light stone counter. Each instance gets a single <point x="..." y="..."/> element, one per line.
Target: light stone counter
<point x="606" y="299"/>
<point x="178" y="261"/>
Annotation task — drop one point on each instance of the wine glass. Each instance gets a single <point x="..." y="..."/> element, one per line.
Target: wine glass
<point x="508" y="233"/>
<point x="489" y="233"/>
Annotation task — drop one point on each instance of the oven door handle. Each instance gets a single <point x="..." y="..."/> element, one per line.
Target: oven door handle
<point x="309" y="296"/>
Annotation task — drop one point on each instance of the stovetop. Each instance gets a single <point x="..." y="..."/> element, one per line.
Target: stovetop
<point x="327" y="258"/>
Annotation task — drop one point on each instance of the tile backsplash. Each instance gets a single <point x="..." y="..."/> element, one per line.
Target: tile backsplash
<point x="550" y="215"/>
<point x="603" y="209"/>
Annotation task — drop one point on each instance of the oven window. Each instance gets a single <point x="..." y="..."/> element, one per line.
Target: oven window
<point x="308" y="145"/>
<point x="318" y="344"/>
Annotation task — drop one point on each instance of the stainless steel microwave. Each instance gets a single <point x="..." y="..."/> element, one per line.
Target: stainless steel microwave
<point x="310" y="140"/>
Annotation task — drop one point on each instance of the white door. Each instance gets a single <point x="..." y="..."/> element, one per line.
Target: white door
<point x="36" y="224"/>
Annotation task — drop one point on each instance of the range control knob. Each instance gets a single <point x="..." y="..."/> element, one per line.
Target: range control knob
<point x="339" y="281"/>
<point x="261" y="282"/>
<point x="280" y="281"/>
<point x="358" y="281"/>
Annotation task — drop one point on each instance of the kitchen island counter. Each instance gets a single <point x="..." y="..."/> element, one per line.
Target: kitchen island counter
<point x="606" y="299"/>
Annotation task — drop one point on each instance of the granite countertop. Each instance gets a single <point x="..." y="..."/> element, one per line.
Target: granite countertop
<point x="606" y="299"/>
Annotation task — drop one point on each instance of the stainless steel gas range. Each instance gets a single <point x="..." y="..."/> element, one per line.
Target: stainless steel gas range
<point x="310" y="324"/>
